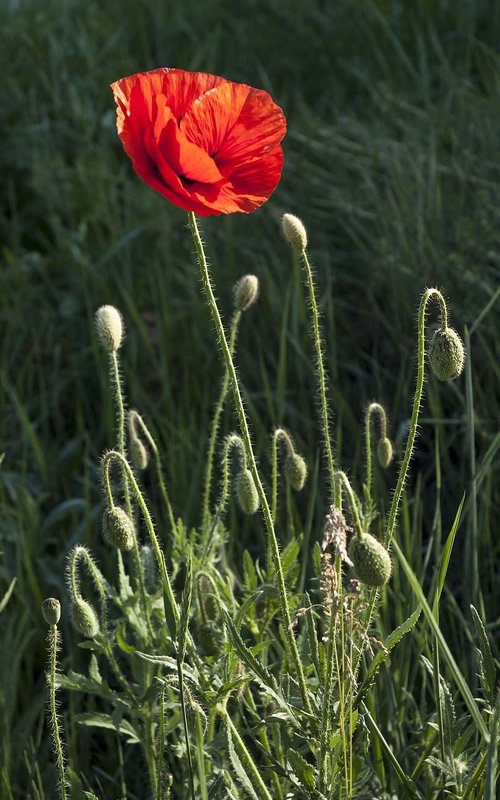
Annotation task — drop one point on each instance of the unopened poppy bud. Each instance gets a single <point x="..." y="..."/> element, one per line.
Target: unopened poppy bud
<point x="294" y="230"/>
<point x="247" y="492"/>
<point x="246" y="291"/>
<point x="384" y="452"/>
<point x="51" y="610"/>
<point x="446" y="354"/>
<point x="118" y="528"/>
<point x="138" y="453"/>
<point x="296" y="470"/>
<point x="109" y="327"/>
<point x="84" y="618"/>
<point x="371" y="560"/>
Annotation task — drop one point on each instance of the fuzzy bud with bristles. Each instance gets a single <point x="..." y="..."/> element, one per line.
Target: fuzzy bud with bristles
<point x="384" y="452"/>
<point x="138" y="453"/>
<point x="109" y="327"/>
<point x="246" y="291"/>
<point x="371" y="560"/>
<point x="84" y="618"/>
<point x="118" y="528"/>
<point x="296" y="470"/>
<point x="294" y="230"/>
<point x="247" y="492"/>
<point x="51" y="610"/>
<point x="446" y="354"/>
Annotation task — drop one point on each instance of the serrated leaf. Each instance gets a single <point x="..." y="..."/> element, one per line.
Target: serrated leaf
<point x="94" y="670"/>
<point x="238" y="767"/>
<point x="488" y="662"/>
<point x="76" y="682"/>
<point x="121" y="641"/>
<point x="249" y="574"/>
<point x="290" y="554"/>
<point x="169" y="663"/>
<point x="302" y="769"/>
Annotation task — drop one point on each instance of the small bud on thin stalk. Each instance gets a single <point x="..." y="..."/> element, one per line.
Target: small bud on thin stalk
<point x="109" y="328"/>
<point x="295" y="232"/>
<point x="51" y="610"/>
<point x="246" y="291"/>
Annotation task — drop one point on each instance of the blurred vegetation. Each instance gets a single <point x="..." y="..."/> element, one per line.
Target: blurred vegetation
<point x="391" y="161"/>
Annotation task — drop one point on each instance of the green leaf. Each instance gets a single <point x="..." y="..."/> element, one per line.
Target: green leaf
<point x="290" y="554"/>
<point x="238" y="767"/>
<point x="491" y="783"/>
<point x="187" y="595"/>
<point x="302" y="769"/>
<point x="93" y="719"/>
<point x="5" y="599"/>
<point x="487" y="661"/>
<point x="249" y="574"/>
<point x="462" y="684"/>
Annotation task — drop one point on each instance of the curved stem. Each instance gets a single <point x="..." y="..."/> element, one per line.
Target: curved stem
<point x="231" y="441"/>
<point x="115" y="372"/>
<point x="205" y="276"/>
<point x="135" y="418"/>
<point x="343" y="479"/>
<point x="325" y="421"/>
<point x="53" y="643"/>
<point x="279" y="433"/>
<point x="373" y="408"/>
<point x="254" y="772"/>
<point x="215" y="424"/>
<point x="160" y="559"/>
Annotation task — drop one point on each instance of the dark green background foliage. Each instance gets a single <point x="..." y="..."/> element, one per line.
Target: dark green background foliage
<point x="392" y="161"/>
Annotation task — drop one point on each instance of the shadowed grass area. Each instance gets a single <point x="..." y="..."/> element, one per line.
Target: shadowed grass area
<point x="392" y="162"/>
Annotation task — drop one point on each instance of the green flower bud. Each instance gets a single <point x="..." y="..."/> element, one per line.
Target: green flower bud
<point x="138" y="453"/>
<point x="118" y="528"/>
<point x="109" y="327"/>
<point x="84" y="618"/>
<point x="247" y="492"/>
<point x="296" y="471"/>
<point x="446" y="354"/>
<point x="384" y="452"/>
<point x="51" y="610"/>
<point x="294" y="230"/>
<point x="246" y="291"/>
<point x="371" y="560"/>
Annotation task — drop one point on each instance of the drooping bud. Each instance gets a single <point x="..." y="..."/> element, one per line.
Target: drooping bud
<point x="84" y="618"/>
<point x="384" y="452"/>
<point x="296" y="471"/>
<point x="246" y="291"/>
<point x="294" y="230"/>
<point x="109" y="327"/>
<point x="247" y="492"/>
<point x="51" y="610"/>
<point x="138" y="453"/>
<point x="371" y="560"/>
<point x="446" y="354"/>
<point x="118" y="528"/>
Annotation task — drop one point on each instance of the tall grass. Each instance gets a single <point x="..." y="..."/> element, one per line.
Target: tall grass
<point x="391" y="159"/>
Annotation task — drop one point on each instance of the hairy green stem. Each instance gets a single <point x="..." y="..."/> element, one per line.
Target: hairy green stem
<point x="254" y="772"/>
<point x="321" y="374"/>
<point x="113" y="455"/>
<point x="134" y="420"/>
<point x="51" y="680"/>
<point x="207" y="285"/>
<point x="278" y="434"/>
<point x="216" y="423"/>
<point x="373" y="408"/>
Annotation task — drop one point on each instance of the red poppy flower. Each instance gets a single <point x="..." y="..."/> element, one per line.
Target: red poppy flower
<point x="206" y="144"/>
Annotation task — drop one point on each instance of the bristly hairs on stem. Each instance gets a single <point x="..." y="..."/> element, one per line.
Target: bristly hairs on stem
<point x="51" y="609"/>
<point x="384" y="453"/>
<point x="245" y="432"/>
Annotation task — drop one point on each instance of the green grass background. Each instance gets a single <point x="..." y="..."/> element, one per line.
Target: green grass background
<point x="392" y="161"/>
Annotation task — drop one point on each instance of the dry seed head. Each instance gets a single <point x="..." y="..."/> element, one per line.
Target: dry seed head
<point x="247" y="492"/>
<point x="84" y="618"/>
<point x="384" y="452"/>
<point x="446" y="354"/>
<point x="246" y="291"/>
<point x="371" y="560"/>
<point x="118" y="528"/>
<point x="109" y="327"/>
<point x="296" y="471"/>
<point x="51" y="610"/>
<point x="294" y="230"/>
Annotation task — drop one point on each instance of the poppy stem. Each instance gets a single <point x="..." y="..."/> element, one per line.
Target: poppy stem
<point x="252" y="464"/>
